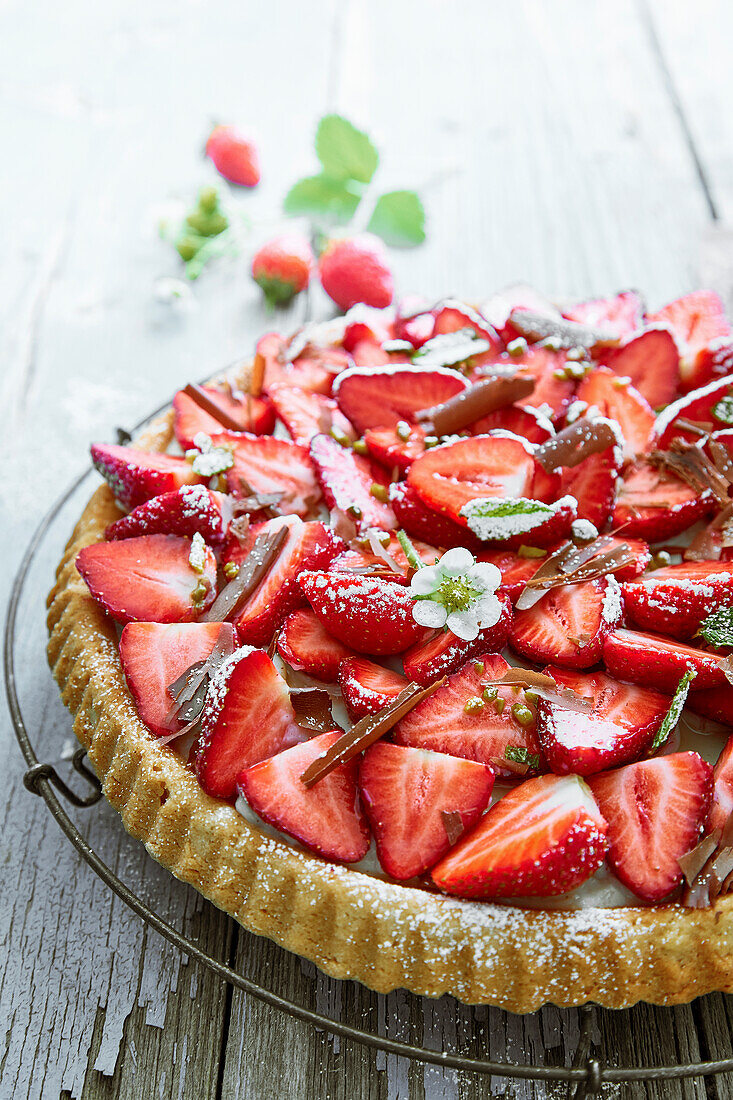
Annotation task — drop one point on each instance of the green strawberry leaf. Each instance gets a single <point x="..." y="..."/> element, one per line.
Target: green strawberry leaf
<point x="399" y="219"/>
<point x="717" y="630"/>
<point x="345" y="152"/>
<point x="321" y="197"/>
<point x="672" y="716"/>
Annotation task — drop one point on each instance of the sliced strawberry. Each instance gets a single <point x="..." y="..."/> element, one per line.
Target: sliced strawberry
<point x="442" y="652"/>
<point x="722" y="804"/>
<point x="370" y="353"/>
<point x="154" y="655"/>
<point x="326" y="817"/>
<point x="554" y="387"/>
<point x="461" y="720"/>
<point x="583" y="744"/>
<point x="498" y="308"/>
<point x="380" y="398"/>
<point x="366" y="613"/>
<point x="367" y="687"/>
<point x="148" y="579"/>
<point x="515" y="569"/>
<point x="524" y="421"/>
<point x="638" y="709"/>
<point x="395" y="449"/>
<point x="307" y="546"/>
<point x="619" y="401"/>
<point x="413" y="322"/>
<point x="306" y="414"/>
<point x="513" y="523"/>
<point x="655" y="811"/>
<point x="413" y="798"/>
<point x="268" y="465"/>
<point x="247" y="717"/>
<point x="352" y="483"/>
<point x="363" y="557"/>
<point x="702" y="410"/>
<point x="678" y="598"/>
<point x="653" y="504"/>
<point x="651" y="359"/>
<point x="453" y="316"/>
<point x="185" y="511"/>
<point x="713" y="361"/>
<point x="593" y="483"/>
<point x="622" y="314"/>
<point x="695" y="319"/>
<point x="364" y="324"/>
<point x="423" y="523"/>
<point x="542" y="838"/>
<point x="252" y="414"/>
<point x="654" y="661"/>
<point x="307" y="646"/>
<point x="135" y="476"/>
<point x="314" y="370"/>
<point x="569" y="624"/>
<point x="715" y="703"/>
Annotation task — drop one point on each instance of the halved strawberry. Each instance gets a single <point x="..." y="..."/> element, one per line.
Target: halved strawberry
<point x="453" y="316"/>
<point x="135" y="476"/>
<point x="309" y="545"/>
<point x="715" y="703"/>
<point x="655" y="811"/>
<point x="620" y="401"/>
<point x="695" y="319"/>
<point x="314" y="370"/>
<point x="651" y="359"/>
<point x="363" y="557"/>
<point x="306" y="414"/>
<point x="622" y="314"/>
<point x="460" y="719"/>
<point x="722" y="804"/>
<point x="148" y="579"/>
<point x="654" y="504"/>
<point x="676" y="599"/>
<point x="515" y="569"/>
<point x="352" y="483"/>
<point x="186" y="511"/>
<point x="569" y="624"/>
<point x="247" y="717"/>
<point x="713" y="361"/>
<point x="423" y="523"/>
<point x="414" y="321"/>
<point x="252" y="414"/>
<point x="395" y="448"/>
<point x="525" y="421"/>
<point x="442" y="652"/>
<point x="366" y="613"/>
<point x="307" y="646"/>
<point x="703" y="410"/>
<point x="593" y="483"/>
<point x="154" y="655"/>
<point x="367" y="687"/>
<point x="414" y="799"/>
<point x="326" y="817"/>
<point x="268" y="465"/>
<point x="381" y="397"/>
<point x="654" y="661"/>
<point x="544" y="837"/>
<point x="583" y="744"/>
<point x="638" y="709"/>
<point x="511" y="523"/>
<point x="370" y="353"/>
<point x="365" y="324"/>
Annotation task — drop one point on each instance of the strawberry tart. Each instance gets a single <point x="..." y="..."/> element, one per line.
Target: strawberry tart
<point x="408" y="645"/>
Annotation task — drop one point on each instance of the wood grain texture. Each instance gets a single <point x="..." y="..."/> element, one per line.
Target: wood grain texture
<point x="576" y="146"/>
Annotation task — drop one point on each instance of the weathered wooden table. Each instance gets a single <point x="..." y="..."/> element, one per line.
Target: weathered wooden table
<point x="578" y="145"/>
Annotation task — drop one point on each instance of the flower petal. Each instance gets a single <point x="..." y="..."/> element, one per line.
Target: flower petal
<point x="464" y="624"/>
<point x="484" y="576"/>
<point x="456" y="562"/>
<point x="426" y="581"/>
<point x="427" y="613"/>
<point x="487" y="611"/>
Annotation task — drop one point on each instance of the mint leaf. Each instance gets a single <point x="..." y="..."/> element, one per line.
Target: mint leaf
<point x="321" y="197"/>
<point x="520" y="755"/>
<point x="450" y="349"/>
<point x="498" y="518"/>
<point x="723" y="411"/>
<point x="345" y="152"/>
<point x="399" y="219"/>
<point x="672" y="716"/>
<point x="717" y="629"/>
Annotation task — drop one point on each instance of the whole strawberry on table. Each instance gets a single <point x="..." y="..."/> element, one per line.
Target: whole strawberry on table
<point x="454" y="581"/>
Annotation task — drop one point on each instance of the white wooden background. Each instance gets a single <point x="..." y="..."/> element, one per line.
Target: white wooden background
<point x="579" y="145"/>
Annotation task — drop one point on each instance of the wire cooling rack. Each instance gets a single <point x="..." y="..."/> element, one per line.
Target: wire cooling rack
<point x="585" y="1077"/>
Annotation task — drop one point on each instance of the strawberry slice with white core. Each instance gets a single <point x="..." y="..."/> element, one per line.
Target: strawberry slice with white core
<point x="678" y="598"/>
<point x="309" y="545"/>
<point x="353" y="484"/>
<point x="314" y="370"/>
<point x="617" y="399"/>
<point x="695" y="320"/>
<point x="655" y="661"/>
<point x="569" y="624"/>
<point x="545" y="837"/>
<point x="454" y="316"/>
<point x="713" y="361"/>
<point x="417" y="802"/>
<point x="187" y="511"/>
<point x="638" y="709"/>
<point x="715" y="703"/>
<point x="518" y="522"/>
<point x="251" y="414"/>
<point x="516" y="569"/>
<point x="375" y="554"/>
<point x="367" y="687"/>
<point x="622" y="314"/>
<point x="154" y="656"/>
<point x="594" y="483"/>
<point x="306" y="414"/>
<point x="423" y="523"/>
<point x="706" y="409"/>
<point x="327" y="817"/>
<point x="307" y="646"/>
<point x="247" y="717"/>
<point x="135" y="476"/>
<point x="583" y="744"/>
<point x="653" y="504"/>
<point x="369" y="614"/>
<point x="442" y="652"/>
<point x="380" y="397"/>
<point x="264" y="464"/>
<point x="473" y="717"/>
<point x="655" y="811"/>
<point x="149" y="579"/>
<point x="651" y="359"/>
<point x="396" y="447"/>
<point x="722" y="804"/>
<point x="527" y="422"/>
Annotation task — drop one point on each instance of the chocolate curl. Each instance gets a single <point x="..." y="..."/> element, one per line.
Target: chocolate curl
<point x="707" y="545"/>
<point x="547" y="688"/>
<point x="580" y="440"/>
<point x="202" y="399"/>
<point x="257" y="375"/>
<point x="454" y="827"/>
<point x="472" y="403"/>
<point x="366" y="731"/>
<point x="189" y="690"/>
<point x="721" y="460"/>
<point x="252" y="572"/>
<point x="573" y="565"/>
<point x="693" y="466"/>
<point x="312" y="709"/>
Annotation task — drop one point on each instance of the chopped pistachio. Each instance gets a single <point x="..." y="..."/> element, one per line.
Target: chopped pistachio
<point x="360" y="447"/>
<point x="403" y="430"/>
<point x="531" y="552"/>
<point x="575" y="354"/>
<point x="231" y="569"/>
<point x="532" y="697"/>
<point x="379" y="491"/>
<point x="517" y="348"/>
<point x="474" y="705"/>
<point x="523" y="714"/>
<point x="499" y="704"/>
<point x="479" y="666"/>
<point x="340" y="436"/>
<point x="431" y="441"/>
<point x="198" y="595"/>
<point x="490" y="693"/>
<point x="354" y="510"/>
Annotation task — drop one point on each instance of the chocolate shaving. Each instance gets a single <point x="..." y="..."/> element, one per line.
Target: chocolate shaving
<point x="239" y="528"/>
<point x="708" y="868"/>
<point x="693" y="466"/>
<point x="343" y="525"/>
<point x="366" y="731"/>
<point x="547" y="688"/>
<point x="580" y="440"/>
<point x="514" y="766"/>
<point x="454" y="826"/>
<point x="252" y="572"/>
<point x="721" y="460"/>
<point x="569" y="334"/>
<point x="257" y="375"/>
<point x="707" y="545"/>
<point x="204" y="401"/>
<point x="252" y="501"/>
<point x="574" y="565"/>
<point x="189" y="690"/>
<point x="312" y="708"/>
<point x="697" y="427"/>
<point x="380" y="551"/>
<point x="474" y="402"/>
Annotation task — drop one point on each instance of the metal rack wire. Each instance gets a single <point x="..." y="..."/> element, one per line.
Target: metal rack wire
<point x="587" y="1074"/>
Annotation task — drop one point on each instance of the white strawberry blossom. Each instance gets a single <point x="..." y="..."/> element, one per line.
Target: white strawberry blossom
<point x="458" y="593"/>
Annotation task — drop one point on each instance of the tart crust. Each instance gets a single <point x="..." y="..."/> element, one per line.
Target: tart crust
<point x="350" y="924"/>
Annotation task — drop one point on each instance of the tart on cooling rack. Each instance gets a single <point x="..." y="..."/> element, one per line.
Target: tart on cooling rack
<point x="407" y="645"/>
